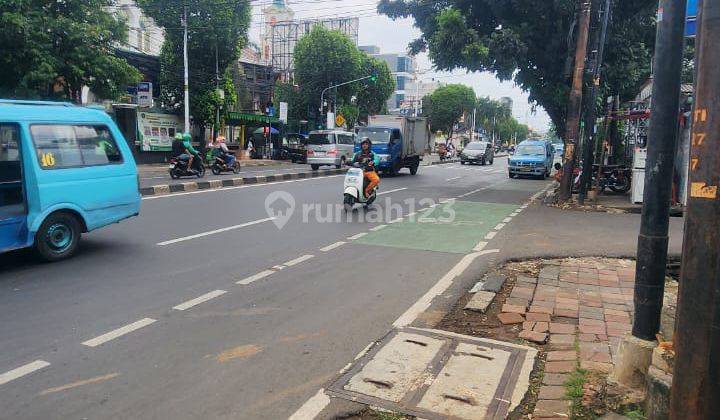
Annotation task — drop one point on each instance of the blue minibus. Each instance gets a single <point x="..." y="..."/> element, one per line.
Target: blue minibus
<point x="64" y="170"/>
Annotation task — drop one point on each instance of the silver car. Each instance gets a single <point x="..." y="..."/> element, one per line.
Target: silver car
<point x="329" y="147"/>
<point x="481" y="152"/>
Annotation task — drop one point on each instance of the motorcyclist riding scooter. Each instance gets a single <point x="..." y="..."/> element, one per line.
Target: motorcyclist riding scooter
<point x="186" y="160"/>
<point x="362" y="180"/>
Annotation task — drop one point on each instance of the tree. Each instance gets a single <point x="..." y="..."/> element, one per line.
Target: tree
<point x="531" y="42"/>
<point x="325" y="57"/>
<point x="217" y="29"/>
<point x="54" y="48"/>
<point x="446" y="105"/>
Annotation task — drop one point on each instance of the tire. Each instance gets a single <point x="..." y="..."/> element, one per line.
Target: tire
<point x="414" y="169"/>
<point x="236" y="167"/>
<point x="462" y="162"/>
<point x="348" y="202"/>
<point x="511" y="175"/>
<point x="174" y="173"/>
<point x="58" y="237"/>
<point x="482" y="162"/>
<point x="491" y="161"/>
<point x="314" y="167"/>
<point x="215" y="169"/>
<point x="623" y="188"/>
<point x="201" y="171"/>
<point x="342" y="163"/>
<point x="395" y="168"/>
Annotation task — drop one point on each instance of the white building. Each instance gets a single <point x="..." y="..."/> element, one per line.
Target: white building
<point x="144" y="36"/>
<point x="416" y="90"/>
<point x="403" y="67"/>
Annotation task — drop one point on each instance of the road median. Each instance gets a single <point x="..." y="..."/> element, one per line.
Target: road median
<point x="165" y="189"/>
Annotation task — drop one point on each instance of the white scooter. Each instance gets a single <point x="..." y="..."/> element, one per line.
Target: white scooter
<point x="354" y="187"/>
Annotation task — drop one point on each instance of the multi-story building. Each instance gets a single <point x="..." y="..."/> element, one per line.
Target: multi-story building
<point x="418" y="89"/>
<point x="280" y="33"/>
<point x="403" y="67"/>
<point x="144" y="36"/>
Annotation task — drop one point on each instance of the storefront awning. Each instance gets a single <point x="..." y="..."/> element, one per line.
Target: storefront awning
<point x="240" y="118"/>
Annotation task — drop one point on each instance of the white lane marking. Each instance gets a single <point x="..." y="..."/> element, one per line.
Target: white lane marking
<point x="489" y="251"/>
<point x="365" y="350"/>
<point x="480" y="246"/>
<point x="23" y="370"/>
<point x="424" y="302"/>
<point x="398" y="220"/>
<point x="491" y="235"/>
<point x="298" y="260"/>
<point x="94" y="342"/>
<point x="358" y="236"/>
<point x="216" y="231"/>
<point x="277" y="267"/>
<point x="453" y="179"/>
<point x="312" y="407"/>
<point x="333" y="246"/>
<point x="198" y="300"/>
<point x="499" y="226"/>
<point x="255" y="277"/>
<point x="507" y="220"/>
<point x="524" y="206"/>
<point x="392" y="191"/>
<point x="379" y="227"/>
<point x="238" y="187"/>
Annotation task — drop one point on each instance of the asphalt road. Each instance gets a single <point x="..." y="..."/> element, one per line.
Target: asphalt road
<point x="148" y="321"/>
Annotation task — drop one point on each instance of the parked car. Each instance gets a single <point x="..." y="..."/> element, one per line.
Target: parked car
<point x="296" y="147"/>
<point x="329" y="147"/>
<point x="532" y="157"/>
<point x="481" y="152"/>
<point x="64" y="170"/>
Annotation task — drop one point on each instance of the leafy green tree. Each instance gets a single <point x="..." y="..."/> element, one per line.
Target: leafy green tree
<point x="531" y="42"/>
<point x="216" y="29"/>
<point x="325" y="57"/>
<point x="54" y="48"/>
<point x="446" y="105"/>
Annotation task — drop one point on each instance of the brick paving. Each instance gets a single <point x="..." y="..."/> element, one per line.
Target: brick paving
<point x="586" y="305"/>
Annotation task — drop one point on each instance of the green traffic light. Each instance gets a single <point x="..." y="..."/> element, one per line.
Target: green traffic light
<point x="373" y="78"/>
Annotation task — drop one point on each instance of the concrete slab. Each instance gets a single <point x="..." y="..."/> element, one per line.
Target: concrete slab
<point x="480" y="301"/>
<point x="435" y="374"/>
<point x="493" y="283"/>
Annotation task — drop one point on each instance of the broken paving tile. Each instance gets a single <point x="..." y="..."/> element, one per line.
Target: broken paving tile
<point x="480" y="301"/>
<point x="534" y="336"/>
<point x="478" y="287"/>
<point x="510" y="318"/>
<point x="542" y="327"/>
<point x="493" y="283"/>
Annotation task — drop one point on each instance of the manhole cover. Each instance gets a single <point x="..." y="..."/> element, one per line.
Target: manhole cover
<point x="436" y="374"/>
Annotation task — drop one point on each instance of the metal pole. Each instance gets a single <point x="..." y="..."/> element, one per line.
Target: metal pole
<point x="217" y="89"/>
<point x="592" y="106"/>
<point x="653" y="237"/>
<point x="186" y="85"/>
<point x="696" y="379"/>
<point x="572" y="128"/>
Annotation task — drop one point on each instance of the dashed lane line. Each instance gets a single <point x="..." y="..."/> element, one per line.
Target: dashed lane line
<point x="453" y="179"/>
<point x="358" y="236"/>
<point x="198" y="300"/>
<point x="214" y="232"/>
<point x="377" y="228"/>
<point x="392" y="191"/>
<point x="298" y="260"/>
<point x="499" y="226"/>
<point x="23" y="370"/>
<point x="333" y="246"/>
<point x="94" y="342"/>
<point x="255" y="277"/>
<point x="507" y="220"/>
<point x="490" y="235"/>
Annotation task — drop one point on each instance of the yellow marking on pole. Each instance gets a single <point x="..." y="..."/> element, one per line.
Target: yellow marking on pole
<point x="700" y="115"/>
<point x="702" y="190"/>
<point x="79" y="383"/>
<point x="694" y="163"/>
<point x="698" y="139"/>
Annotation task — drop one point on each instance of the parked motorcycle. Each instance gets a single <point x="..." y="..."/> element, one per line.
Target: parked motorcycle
<point x="219" y="165"/>
<point x="354" y="188"/>
<point x="179" y="168"/>
<point x="615" y="177"/>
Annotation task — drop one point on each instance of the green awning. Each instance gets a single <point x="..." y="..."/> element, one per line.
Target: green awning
<point x="238" y="118"/>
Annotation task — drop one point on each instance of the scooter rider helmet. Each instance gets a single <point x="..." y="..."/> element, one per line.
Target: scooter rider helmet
<point x="366" y="140"/>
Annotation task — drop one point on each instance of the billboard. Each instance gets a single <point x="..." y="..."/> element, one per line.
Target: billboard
<point x="156" y="131"/>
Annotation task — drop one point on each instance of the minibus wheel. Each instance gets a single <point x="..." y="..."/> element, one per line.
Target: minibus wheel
<point x="58" y="236"/>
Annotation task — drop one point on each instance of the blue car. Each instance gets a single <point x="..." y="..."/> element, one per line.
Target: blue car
<point x="532" y="158"/>
<point x="64" y="170"/>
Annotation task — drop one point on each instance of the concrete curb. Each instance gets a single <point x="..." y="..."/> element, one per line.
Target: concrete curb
<point x="156" y="190"/>
<point x="444" y="162"/>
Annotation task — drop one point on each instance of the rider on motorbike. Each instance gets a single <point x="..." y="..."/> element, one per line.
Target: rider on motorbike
<point x="369" y="162"/>
<point x="225" y="153"/>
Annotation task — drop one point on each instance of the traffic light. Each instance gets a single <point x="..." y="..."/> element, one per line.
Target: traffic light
<point x="373" y="77"/>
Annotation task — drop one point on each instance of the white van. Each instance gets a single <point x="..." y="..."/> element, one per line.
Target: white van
<point x="329" y="147"/>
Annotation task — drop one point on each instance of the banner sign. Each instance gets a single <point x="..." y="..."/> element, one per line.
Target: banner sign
<point x="157" y="131"/>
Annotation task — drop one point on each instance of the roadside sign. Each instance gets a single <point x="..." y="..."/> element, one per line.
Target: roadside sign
<point x="339" y="120"/>
<point x="283" y="112"/>
<point x="691" y="22"/>
<point x="145" y="94"/>
<point x="330" y="120"/>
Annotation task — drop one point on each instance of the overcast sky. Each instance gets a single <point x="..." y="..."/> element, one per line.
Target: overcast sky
<point x="394" y="36"/>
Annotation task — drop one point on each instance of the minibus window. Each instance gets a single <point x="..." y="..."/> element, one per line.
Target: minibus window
<point x="11" y="196"/>
<point x="67" y="146"/>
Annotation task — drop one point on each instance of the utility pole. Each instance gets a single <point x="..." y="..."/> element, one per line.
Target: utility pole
<point x="590" y="116"/>
<point x="696" y="379"/>
<point x="572" y="128"/>
<point x="186" y="85"/>
<point x="662" y="136"/>
<point x="217" y="90"/>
